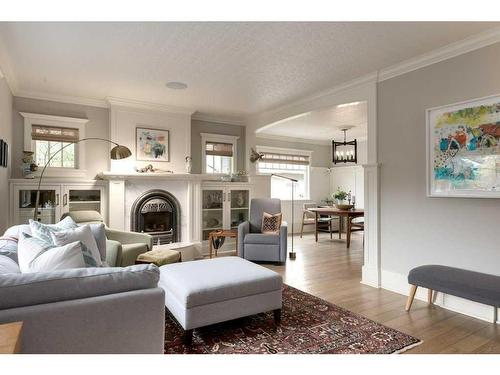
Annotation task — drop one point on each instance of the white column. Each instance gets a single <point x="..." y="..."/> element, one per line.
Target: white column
<point x="116" y="207"/>
<point x="194" y="212"/>
<point x="371" y="266"/>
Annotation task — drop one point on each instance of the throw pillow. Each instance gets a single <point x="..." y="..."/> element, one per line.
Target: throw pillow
<point x="36" y="255"/>
<point x="99" y="233"/>
<point x="271" y="223"/>
<point x="8" y="247"/>
<point x="83" y="234"/>
<point x="7" y="265"/>
<point x="43" y="231"/>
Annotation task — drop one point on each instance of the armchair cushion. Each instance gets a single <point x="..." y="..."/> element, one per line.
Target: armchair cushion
<point x="263" y="239"/>
<point x="257" y="208"/>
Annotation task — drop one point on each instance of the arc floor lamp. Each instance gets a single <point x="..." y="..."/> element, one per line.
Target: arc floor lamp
<point x="116" y="153"/>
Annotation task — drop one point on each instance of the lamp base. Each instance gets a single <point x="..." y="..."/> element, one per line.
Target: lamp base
<point x="292" y="255"/>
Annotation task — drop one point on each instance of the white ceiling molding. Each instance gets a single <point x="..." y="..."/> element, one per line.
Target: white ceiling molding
<point x="293" y="140"/>
<point x="220" y="119"/>
<point x="62" y="99"/>
<point x="130" y="103"/>
<point x="449" y="51"/>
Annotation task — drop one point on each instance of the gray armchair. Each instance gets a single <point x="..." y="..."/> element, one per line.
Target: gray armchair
<point x="255" y="246"/>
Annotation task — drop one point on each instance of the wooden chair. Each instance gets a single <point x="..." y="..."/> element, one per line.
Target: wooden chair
<point x="309" y="218"/>
<point x="357" y="224"/>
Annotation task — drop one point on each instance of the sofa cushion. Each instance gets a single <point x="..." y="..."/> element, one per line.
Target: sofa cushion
<point x="99" y="233"/>
<point x="263" y="239"/>
<point x="43" y="231"/>
<point x="82" y="234"/>
<point x="17" y="290"/>
<point x="36" y="255"/>
<point x="7" y="265"/>
<point x="214" y="280"/>
<point x="8" y="247"/>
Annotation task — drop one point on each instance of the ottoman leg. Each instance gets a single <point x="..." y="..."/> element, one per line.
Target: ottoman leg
<point x="188" y="337"/>
<point x="277" y="316"/>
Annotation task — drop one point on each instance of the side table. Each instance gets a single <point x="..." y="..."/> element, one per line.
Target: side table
<point x="222" y="233"/>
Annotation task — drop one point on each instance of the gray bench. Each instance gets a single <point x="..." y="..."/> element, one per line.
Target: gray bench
<point x="471" y="285"/>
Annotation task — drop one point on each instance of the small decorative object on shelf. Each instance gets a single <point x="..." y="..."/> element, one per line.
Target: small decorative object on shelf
<point x="150" y="169"/>
<point x="240" y="176"/>
<point x="189" y="164"/>
<point x="345" y="152"/>
<point x="28" y="166"/>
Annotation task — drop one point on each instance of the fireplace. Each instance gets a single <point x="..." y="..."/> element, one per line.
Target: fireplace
<point x="157" y="212"/>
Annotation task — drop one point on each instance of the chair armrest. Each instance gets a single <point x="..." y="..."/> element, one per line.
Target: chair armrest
<point x="283" y="241"/>
<point x="113" y="252"/>
<point x="243" y="230"/>
<point x="129" y="237"/>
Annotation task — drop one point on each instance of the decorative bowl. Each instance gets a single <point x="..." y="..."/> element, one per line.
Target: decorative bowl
<point x="344" y="206"/>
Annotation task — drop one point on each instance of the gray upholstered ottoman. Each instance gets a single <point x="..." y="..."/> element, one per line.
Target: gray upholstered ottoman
<point x="211" y="291"/>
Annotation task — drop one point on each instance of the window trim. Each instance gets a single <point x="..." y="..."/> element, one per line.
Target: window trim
<point x="290" y="151"/>
<point x="222" y="138"/>
<point x="31" y="119"/>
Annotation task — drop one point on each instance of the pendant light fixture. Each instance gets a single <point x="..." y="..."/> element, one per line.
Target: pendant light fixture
<point x="346" y="151"/>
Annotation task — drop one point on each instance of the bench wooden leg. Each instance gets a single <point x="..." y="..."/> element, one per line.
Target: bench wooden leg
<point x="429" y="296"/>
<point x="413" y="290"/>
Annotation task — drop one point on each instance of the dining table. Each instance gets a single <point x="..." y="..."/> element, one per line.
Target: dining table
<point x="333" y="211"/>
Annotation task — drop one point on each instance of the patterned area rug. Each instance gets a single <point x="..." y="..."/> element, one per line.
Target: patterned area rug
<point x="309" y="325"/>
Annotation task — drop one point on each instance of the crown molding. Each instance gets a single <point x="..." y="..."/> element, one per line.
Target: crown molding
<point x="138" y="104"/>
<point x="219" y="119"/>
<point x="293" y="139"/>
<point x="62" y="98"/>
<point x="449" y="51"/>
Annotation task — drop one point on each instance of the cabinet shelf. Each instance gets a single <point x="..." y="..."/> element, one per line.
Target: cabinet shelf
<point x="84" y="202"/>
<point x="212" y="209"/>
<point x="239" y="208"/>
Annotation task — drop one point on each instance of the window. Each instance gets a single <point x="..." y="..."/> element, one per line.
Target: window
<point x="288" y="163"/>
<point x="45" y="135"/>
<point x="218" y="153"/>
<point x="49" y="142"/>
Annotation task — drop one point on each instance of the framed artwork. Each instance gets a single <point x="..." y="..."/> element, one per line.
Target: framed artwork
<point x="4" y="153"/>
<point x="463" y="149"/>
<point x="152" y="144"/>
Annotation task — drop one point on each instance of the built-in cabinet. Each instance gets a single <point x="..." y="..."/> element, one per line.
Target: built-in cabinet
<point x="224" y="206"/>
<point x="56" y="198"/>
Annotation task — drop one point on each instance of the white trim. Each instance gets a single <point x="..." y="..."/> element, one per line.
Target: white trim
<point x="50" y="120"/>
<point x="90" y="102"/>
<point x="293" y="139"/>
<point x="138" y="104"/>
<point x="449" y="51"/>
<point x="398" y="283"/>
<point x="209" y="137"/>
<point x="219" y="118"/>
<point x="290" y="151"/>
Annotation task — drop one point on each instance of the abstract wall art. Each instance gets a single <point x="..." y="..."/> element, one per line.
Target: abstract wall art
<point x="463" y="149"/>
<point x="152" y="144"/>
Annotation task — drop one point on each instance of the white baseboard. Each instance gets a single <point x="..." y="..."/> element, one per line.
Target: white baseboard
<point x="398" y="283"/>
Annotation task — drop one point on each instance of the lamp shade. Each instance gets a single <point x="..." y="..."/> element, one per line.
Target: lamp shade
<point x="120" y="152"/>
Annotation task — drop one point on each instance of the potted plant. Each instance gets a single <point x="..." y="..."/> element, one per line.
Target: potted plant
<point x="340" y="197"/>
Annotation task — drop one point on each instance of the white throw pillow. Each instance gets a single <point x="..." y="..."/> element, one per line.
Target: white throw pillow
<point x="83" y="234"/>
<point x="7" y="265"/>
<point x="43" y="231"/>
<point x="36" y="255"/>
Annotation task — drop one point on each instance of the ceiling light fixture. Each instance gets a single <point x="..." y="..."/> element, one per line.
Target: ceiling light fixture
<point x="174" y="85"/>
<point x="346" y="151"/>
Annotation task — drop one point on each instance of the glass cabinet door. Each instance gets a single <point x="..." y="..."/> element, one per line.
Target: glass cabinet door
<point x="83" y="200"/>
<point x="212" y="211"/>
<point x="48" y="205"/>
<point x="240" y="202"/>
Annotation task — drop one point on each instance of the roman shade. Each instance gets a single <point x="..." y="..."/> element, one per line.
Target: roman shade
<point x="219" y="149"/>
<point x="54" y="134"/>
<point x="275" y="158"/>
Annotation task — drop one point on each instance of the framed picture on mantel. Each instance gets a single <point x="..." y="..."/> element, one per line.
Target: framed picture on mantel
<point x="152" y="144"/>
<point x="463" y="149"/>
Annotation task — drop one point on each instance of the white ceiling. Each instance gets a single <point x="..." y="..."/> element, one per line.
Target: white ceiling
<point x="239" y="68"/>
<point x="324" y="125"/>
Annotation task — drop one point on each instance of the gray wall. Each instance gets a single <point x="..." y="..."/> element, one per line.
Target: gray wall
<point x="198" y="127"/>
<point x="96" y="153"/>
<point x="415" y="229"/>
<point x="6" y="135"/>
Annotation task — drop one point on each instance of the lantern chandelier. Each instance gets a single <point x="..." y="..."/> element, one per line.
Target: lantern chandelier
<point x="346" y="151"/>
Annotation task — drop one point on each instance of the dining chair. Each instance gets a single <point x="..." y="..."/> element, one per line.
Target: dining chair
<point x="309" y="218"/>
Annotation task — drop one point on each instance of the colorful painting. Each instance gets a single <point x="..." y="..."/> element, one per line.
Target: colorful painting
<point x="152" y="144"/>
<point x="464" y="149"/>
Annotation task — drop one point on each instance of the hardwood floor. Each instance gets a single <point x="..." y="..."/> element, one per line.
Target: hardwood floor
<point x="328" y="270"/>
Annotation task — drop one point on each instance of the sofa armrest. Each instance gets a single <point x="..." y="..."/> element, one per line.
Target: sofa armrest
<point x="113" y="252"/>
<point x="243" y="230"/>
<point x="129" y="237"/>
<point x="283" y="241"/>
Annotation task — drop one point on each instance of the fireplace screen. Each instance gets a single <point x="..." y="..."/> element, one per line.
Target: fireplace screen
<point x="157" y="212"/>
